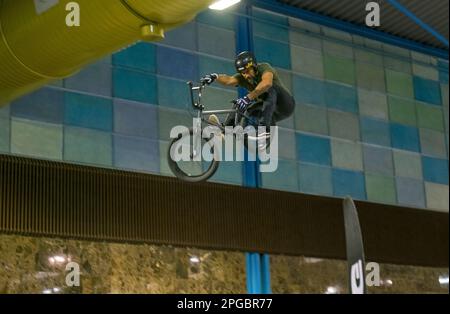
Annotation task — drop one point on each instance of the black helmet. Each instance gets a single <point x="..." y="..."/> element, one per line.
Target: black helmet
<point x="244" y="60"/>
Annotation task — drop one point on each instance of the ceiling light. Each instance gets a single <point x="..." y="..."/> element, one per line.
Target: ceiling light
<point x="223" y="4"/>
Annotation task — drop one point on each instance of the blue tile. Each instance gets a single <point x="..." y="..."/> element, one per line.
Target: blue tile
<point x="269" y="30"/>
<point x="427" y="90"/>
<point x="313" y="149"/>
<point x="95" y="79"/>
<point x="216" y="41"/>
<point x="229" y="172"/>
<point x="308" y="91"/>
<point x="136" y="119"/>
<point x="443" y="71"/>
<point x="341" y="97"/>
<point x="45" y="104"/>
<point x="177" y="64"/>
<point x="284" y="178"/>
<point x="375" y="131"/>
<point x="435" y="170"/>
<point x="346" y="182"/>
<point x="213" y="65"/>
<point x="315" y="179"/>
<point x="140" y="56"/>
<point x="183" y="37"/>
<point x="405" y="137"/>
<point x="134" y="86"/>
<point x="173" y="93"/>
<point x="88" y="111"/>
<point x="276" y="53"/>
<point x="221" y="19"/>
<point x="410" y="192"/>
<point x="378" y="160"/>
<point x="136" y="153"/>
<point x="270" y="17"/>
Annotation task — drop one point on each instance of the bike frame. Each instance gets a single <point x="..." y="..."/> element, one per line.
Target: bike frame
<point x="201" y="113"/>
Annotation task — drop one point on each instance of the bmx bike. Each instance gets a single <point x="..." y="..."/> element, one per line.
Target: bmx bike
<point x="197" y="169"/>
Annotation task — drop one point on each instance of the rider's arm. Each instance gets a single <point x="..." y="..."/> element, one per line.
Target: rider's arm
<point x="227" y="80"/>
<point x="263" y="86"/>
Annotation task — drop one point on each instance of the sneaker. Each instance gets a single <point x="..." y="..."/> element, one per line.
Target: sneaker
<point x="214" y="120"/>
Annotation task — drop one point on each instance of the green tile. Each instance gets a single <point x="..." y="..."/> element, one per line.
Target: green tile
<point x="432" y="143"/>
<point x="408" y="165"/>
<point x="309" y="27"/>
<point x="367" y="56"/>
<point x="334" y="33"/>
<point x="430" y="117"/>
<point x="34" y="139"/>
<point x="370" y="77"/>
<point x="343" y="125"/>
<point x="287" y="146"/>
<point x="400" y="84"/>
<point x="397" y="64"/>
<point x="5" y="112"/>
<point x="218" y="98"/>
<point x="339" y="69"/>
<point x="5" y="132"/>
<point x="338" y="50"/>
<point x="285" y="77"/>
<point x="307" y="61"/>
<point x="402" y="110"/>
<point x="437" y="196"/>
<point x="424" y="71"/>
<point x="87" y="146"/>
<point x="169" y="118"/>
<point x="397" y="51"/>
<point x="311" y="119"/>
<point x="421" y="57"/>
<point x="305" y="40"/>
<point x="380" y="189"/>
<point x="347" y="155"/>
<point x="373" y="104"/>
<point x="444" y="93"/>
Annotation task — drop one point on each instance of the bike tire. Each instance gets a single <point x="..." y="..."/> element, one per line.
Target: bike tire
<point x="180" y="174"/>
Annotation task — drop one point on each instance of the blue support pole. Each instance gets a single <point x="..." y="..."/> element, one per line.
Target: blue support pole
<point x="249" y="273"/>
<point x="244" y="41"/>
<point x="265" y="271"/>
<point x="256" y="270"/>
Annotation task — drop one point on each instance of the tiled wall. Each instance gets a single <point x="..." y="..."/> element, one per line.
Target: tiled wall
<point x="371" y="119"/>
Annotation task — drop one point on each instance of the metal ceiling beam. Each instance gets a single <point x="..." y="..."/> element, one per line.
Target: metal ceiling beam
<point x="418" y="21"/>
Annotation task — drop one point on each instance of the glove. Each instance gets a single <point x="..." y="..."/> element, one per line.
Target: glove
<point x="209" y="78"/>
<point x="243" y="103"/>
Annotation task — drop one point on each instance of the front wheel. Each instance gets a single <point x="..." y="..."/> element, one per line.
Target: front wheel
<point x="191" y="168"/>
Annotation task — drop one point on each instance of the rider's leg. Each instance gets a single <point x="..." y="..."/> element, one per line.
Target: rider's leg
<point x="285" y="105"/>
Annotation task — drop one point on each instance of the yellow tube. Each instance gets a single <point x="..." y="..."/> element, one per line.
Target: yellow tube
<point x="36" y="45"/>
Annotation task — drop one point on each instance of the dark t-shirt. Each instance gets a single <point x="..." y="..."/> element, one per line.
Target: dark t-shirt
<point x="251" y="85"/>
